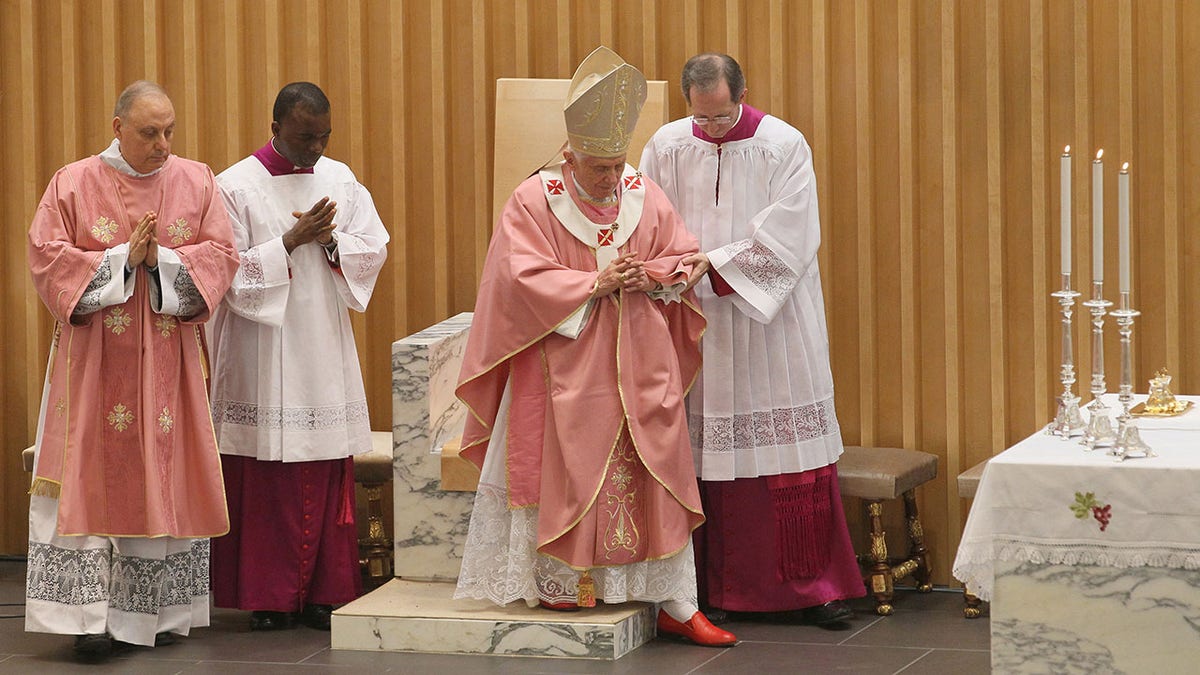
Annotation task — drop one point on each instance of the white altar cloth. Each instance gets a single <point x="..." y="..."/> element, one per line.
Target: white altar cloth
<point x="1023" y="508"/>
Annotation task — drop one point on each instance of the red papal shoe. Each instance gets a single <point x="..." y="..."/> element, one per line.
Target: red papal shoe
<point x="697" y="629"/>
<point x="560" y="606"/>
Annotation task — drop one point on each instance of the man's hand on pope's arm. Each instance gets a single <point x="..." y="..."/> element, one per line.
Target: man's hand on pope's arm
<point x="700" y="267"/>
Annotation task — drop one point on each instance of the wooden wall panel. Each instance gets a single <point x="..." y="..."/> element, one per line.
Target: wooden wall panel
<point x="936" y="128"/>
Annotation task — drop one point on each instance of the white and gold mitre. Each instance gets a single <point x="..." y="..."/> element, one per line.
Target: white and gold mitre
<point x="603" y="103"/>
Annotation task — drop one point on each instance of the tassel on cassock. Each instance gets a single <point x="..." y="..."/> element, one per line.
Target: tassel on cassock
<point x="802" y="516"/>
<point x="587" y="590"/>
<point x="345" y="515"/>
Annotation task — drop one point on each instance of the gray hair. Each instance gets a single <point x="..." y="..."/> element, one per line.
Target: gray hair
<point x="135" y="91"/>
<point x="705" y="72"/>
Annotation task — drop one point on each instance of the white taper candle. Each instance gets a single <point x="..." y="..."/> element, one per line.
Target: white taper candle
<point x="1123" y="225"/>
<point x="1098" y="217"/>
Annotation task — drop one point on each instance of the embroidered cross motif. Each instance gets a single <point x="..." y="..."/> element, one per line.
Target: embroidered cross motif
<point x="554" y="187"/>
<point x="605" y="237"/>
<point x="117" y="320"/>
<point x="104" y="229"/>
<point x="60" y="407"/>
<point x="165" y="325"/>
<point x="179" y="231"/>
<point x="621" y="479"/>
<point x="165" y="421"/>
<point x="121" y="417"/>
<point x="621" y="535"/>
<point x="633" y="182"/>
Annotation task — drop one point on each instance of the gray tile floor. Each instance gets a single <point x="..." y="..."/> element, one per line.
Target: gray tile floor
<point x="926" y="635"/>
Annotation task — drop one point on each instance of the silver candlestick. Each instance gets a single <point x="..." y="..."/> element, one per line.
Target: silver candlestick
<point x="1129" y="442"/>
<point x="1099" y="432"/>
<point x="1068" y="422"/>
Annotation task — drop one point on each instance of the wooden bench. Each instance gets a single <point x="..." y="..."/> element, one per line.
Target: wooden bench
<point x="968" y="484"/>
<point x="373" y="470"/>
<point x="876" y="475"/>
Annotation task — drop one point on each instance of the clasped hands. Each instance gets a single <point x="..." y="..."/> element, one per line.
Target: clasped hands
<point x="626" y="273"/>
<point x="315" y="224"/>
<point x="143" y="243"/>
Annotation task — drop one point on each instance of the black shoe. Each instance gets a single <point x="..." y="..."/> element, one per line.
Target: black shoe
<point x="163" y="639"/>
<point x="833" y="612"/>
<point x="316" y="616"/>
<point x="262" y="620"/>
<point x="93" y="647"/>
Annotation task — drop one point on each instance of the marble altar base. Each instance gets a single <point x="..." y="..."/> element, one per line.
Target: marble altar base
<point x="419" y="616"/>
<point x="1092" y="619"/>
<point x="430" y="523"/>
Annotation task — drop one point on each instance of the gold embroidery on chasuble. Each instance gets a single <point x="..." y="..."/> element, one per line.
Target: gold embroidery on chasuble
<point x="179" y="231"/>
<point x="60" y="406"/>
<point x="104" y="229"/>
<point x="165" y="421"/>
<point x="120" y="417"/>
<point x="165" y="325"/>
<point x="622" y="536"/>
<point x="117" y="320"/>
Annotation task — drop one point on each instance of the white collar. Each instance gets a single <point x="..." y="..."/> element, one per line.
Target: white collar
<point x="112" y="156"/>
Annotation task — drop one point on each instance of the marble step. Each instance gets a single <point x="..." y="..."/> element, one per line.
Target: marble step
<point x="422" y="616"/>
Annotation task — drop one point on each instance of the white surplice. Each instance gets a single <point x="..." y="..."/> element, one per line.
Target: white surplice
<point x="286" y="379"/>
<point x="763" y="404"/>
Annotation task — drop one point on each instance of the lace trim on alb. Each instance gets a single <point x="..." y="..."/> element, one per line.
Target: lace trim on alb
<point x="764" y="269"/>
<point x="191" y="302"/>
<point x="501" y="564"/>
<point x="290" y="419"/>
<point x="77" y="577"/>
<point x="764" y="428"/>
<point x="251" y="281"/>
<point x="89" y="302"/>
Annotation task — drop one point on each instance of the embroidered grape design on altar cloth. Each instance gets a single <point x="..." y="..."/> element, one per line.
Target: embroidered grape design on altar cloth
<point x="1086" y="503"/>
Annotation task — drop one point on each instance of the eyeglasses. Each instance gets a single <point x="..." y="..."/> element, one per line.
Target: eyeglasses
<point x="706" y="121"/>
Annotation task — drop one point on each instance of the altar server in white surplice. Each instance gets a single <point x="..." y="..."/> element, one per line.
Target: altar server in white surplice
<point x="761" y="416"/>
<point x="288" y="401"/>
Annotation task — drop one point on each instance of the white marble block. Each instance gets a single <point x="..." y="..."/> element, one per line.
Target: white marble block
<point x="430" y="524"/>
<point x="409" y="616"/>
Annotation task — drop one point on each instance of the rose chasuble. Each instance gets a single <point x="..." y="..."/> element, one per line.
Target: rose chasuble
<point x="127" y="484"/>
<point x="576" y="404"/>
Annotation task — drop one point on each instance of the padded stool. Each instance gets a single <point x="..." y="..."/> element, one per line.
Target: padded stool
<point x="968" y="484"/>
<point x="878" y="474"/>
<point x="374" y="469"/>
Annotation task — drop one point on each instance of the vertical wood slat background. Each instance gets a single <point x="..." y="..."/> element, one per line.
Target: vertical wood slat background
<point x="936" y="127"/>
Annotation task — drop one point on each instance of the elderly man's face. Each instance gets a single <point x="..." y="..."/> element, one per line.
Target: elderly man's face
<point x="715" y="111"/>
<point x="301" y="136"/>
<point x="598" y="176"/>
<point x="145" y="132"/>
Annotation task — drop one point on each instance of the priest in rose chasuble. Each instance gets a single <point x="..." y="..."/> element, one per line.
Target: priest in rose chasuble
<point x="583" y="345"/>
<point x="131" y="251"/>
